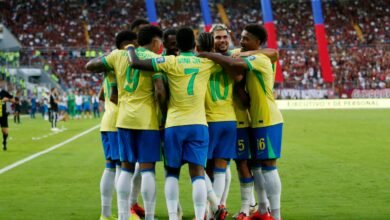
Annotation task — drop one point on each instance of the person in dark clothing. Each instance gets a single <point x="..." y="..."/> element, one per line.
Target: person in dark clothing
<point x="17" y="105"/>
<point x="4" y="97"/>
<point x="54" y="99"/>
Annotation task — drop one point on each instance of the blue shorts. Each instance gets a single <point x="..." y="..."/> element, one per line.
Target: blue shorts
<point x="222" y="140"/>
<point x="110" y="145"/>
<point x="266" y="142"/>
<point x="187" y="143"/>
<point x="141" y="146"/>
<point x="87" y="107"/>
<point x="79" y="108"/>
<point x="243" y="145"/>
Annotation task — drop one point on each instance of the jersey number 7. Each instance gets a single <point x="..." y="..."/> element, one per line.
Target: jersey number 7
<point x="193" y="72"/>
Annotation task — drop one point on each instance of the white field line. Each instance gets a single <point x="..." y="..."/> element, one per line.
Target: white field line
<point x="31" y="157"/>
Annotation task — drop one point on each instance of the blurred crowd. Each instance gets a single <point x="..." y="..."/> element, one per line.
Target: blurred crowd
<point x="358" y="34"/>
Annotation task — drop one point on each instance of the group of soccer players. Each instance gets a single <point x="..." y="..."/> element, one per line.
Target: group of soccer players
<point x="198" y="103"/>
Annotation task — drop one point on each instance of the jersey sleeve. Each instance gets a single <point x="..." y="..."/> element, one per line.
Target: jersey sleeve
<point x="163" y="64"/>
<point x="109" y="60"/>
<point x="112" y="78"/>
<point x="257" y="62"/>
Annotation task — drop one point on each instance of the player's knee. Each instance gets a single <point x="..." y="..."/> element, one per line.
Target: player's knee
<point x="221" y="163"/>
<point x="195" y="170"/>
<point x="147" y="167"/>
<point x="268" y="163"/>
<point x="110" y="164"/>
<point x="172" y="172"/>
<point x="129" y="167"/>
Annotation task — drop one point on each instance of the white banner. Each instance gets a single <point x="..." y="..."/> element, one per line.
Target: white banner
<point x="334" y="104"/>
<point x="303" y="93"/>
<point x="371" y="93"/>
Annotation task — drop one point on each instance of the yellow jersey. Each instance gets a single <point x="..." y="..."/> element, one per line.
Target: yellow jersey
<point x="188" y="78"/>
<point x="242" y="114"/>
<point x="219" y="98"/>
<point x="260" y="82"/>
<point x="136" y="104"/>
<point x="110" y="109"/>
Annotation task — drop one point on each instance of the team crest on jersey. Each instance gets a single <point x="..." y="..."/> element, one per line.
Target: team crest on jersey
<point x="251" y="58"/>
<point x="160" y="60"/>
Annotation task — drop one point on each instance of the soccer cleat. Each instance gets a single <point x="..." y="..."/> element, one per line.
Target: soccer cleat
<point x="134" y="215"/>
<point x="258" y="216"/>
<point x="221" y="213"/>
<point x="241" y="216"/>
<point x="107" y="218"/>
<point x="138" y="210"/>
<point x="4" y="146"/>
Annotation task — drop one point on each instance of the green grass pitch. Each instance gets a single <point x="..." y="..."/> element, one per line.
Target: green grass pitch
<point x="335" y="165"/>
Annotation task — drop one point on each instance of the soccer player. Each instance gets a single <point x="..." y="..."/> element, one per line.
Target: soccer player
<point x="266" y="119"/>
<point x="139" y="138"/>
<point x="79" y="104"/>
<point x="71" y="105"/>
<point x="108" y="129"/>
<point x="222" y="124"/>
<point x="135" y="26"/>
<point x="186" y="134"/>
<point x="87" y="104"/>
<point x="109" y="137"/>
<point x="221" y="45"/>
<point x="4" y="97"/>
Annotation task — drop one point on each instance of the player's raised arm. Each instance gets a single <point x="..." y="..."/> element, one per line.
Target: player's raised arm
<point x="236" y="68"/>
<point x="137" y="63"/>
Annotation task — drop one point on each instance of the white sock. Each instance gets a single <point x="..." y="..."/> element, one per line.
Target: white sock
<point x="219" y="183"/>
<point x="260" y="189"/>
<point x="172" y="196"/>
<point x="211" y="197"/>
<point x="246" y="188"/>
<point x="148" y="190"/>
<point x="253" y="199"/>
<point x="228" y="179"/>
<point x="117" y="173"/>
<point x="199" y="197"/>
<point x="123" y="191"/>
<point x="106" y="190"/>
<point x="273" y="187"/>
<point x="135" y="186"/>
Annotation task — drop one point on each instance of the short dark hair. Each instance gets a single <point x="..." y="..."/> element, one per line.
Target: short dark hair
<point x="137" y="22"/>
<point x="124" y="36"/>
<point x="206" y="41"/>
<point x="185" y="39"/>
<point x="147" y="33"/>
<point x="169" y="31"/>
<point x="257" y="31"/>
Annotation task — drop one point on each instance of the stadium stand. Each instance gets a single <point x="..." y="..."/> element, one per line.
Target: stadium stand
<point x="63" y="36"/>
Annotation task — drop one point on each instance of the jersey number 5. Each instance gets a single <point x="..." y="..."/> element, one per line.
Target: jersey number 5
<point x="193" y="72"/>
